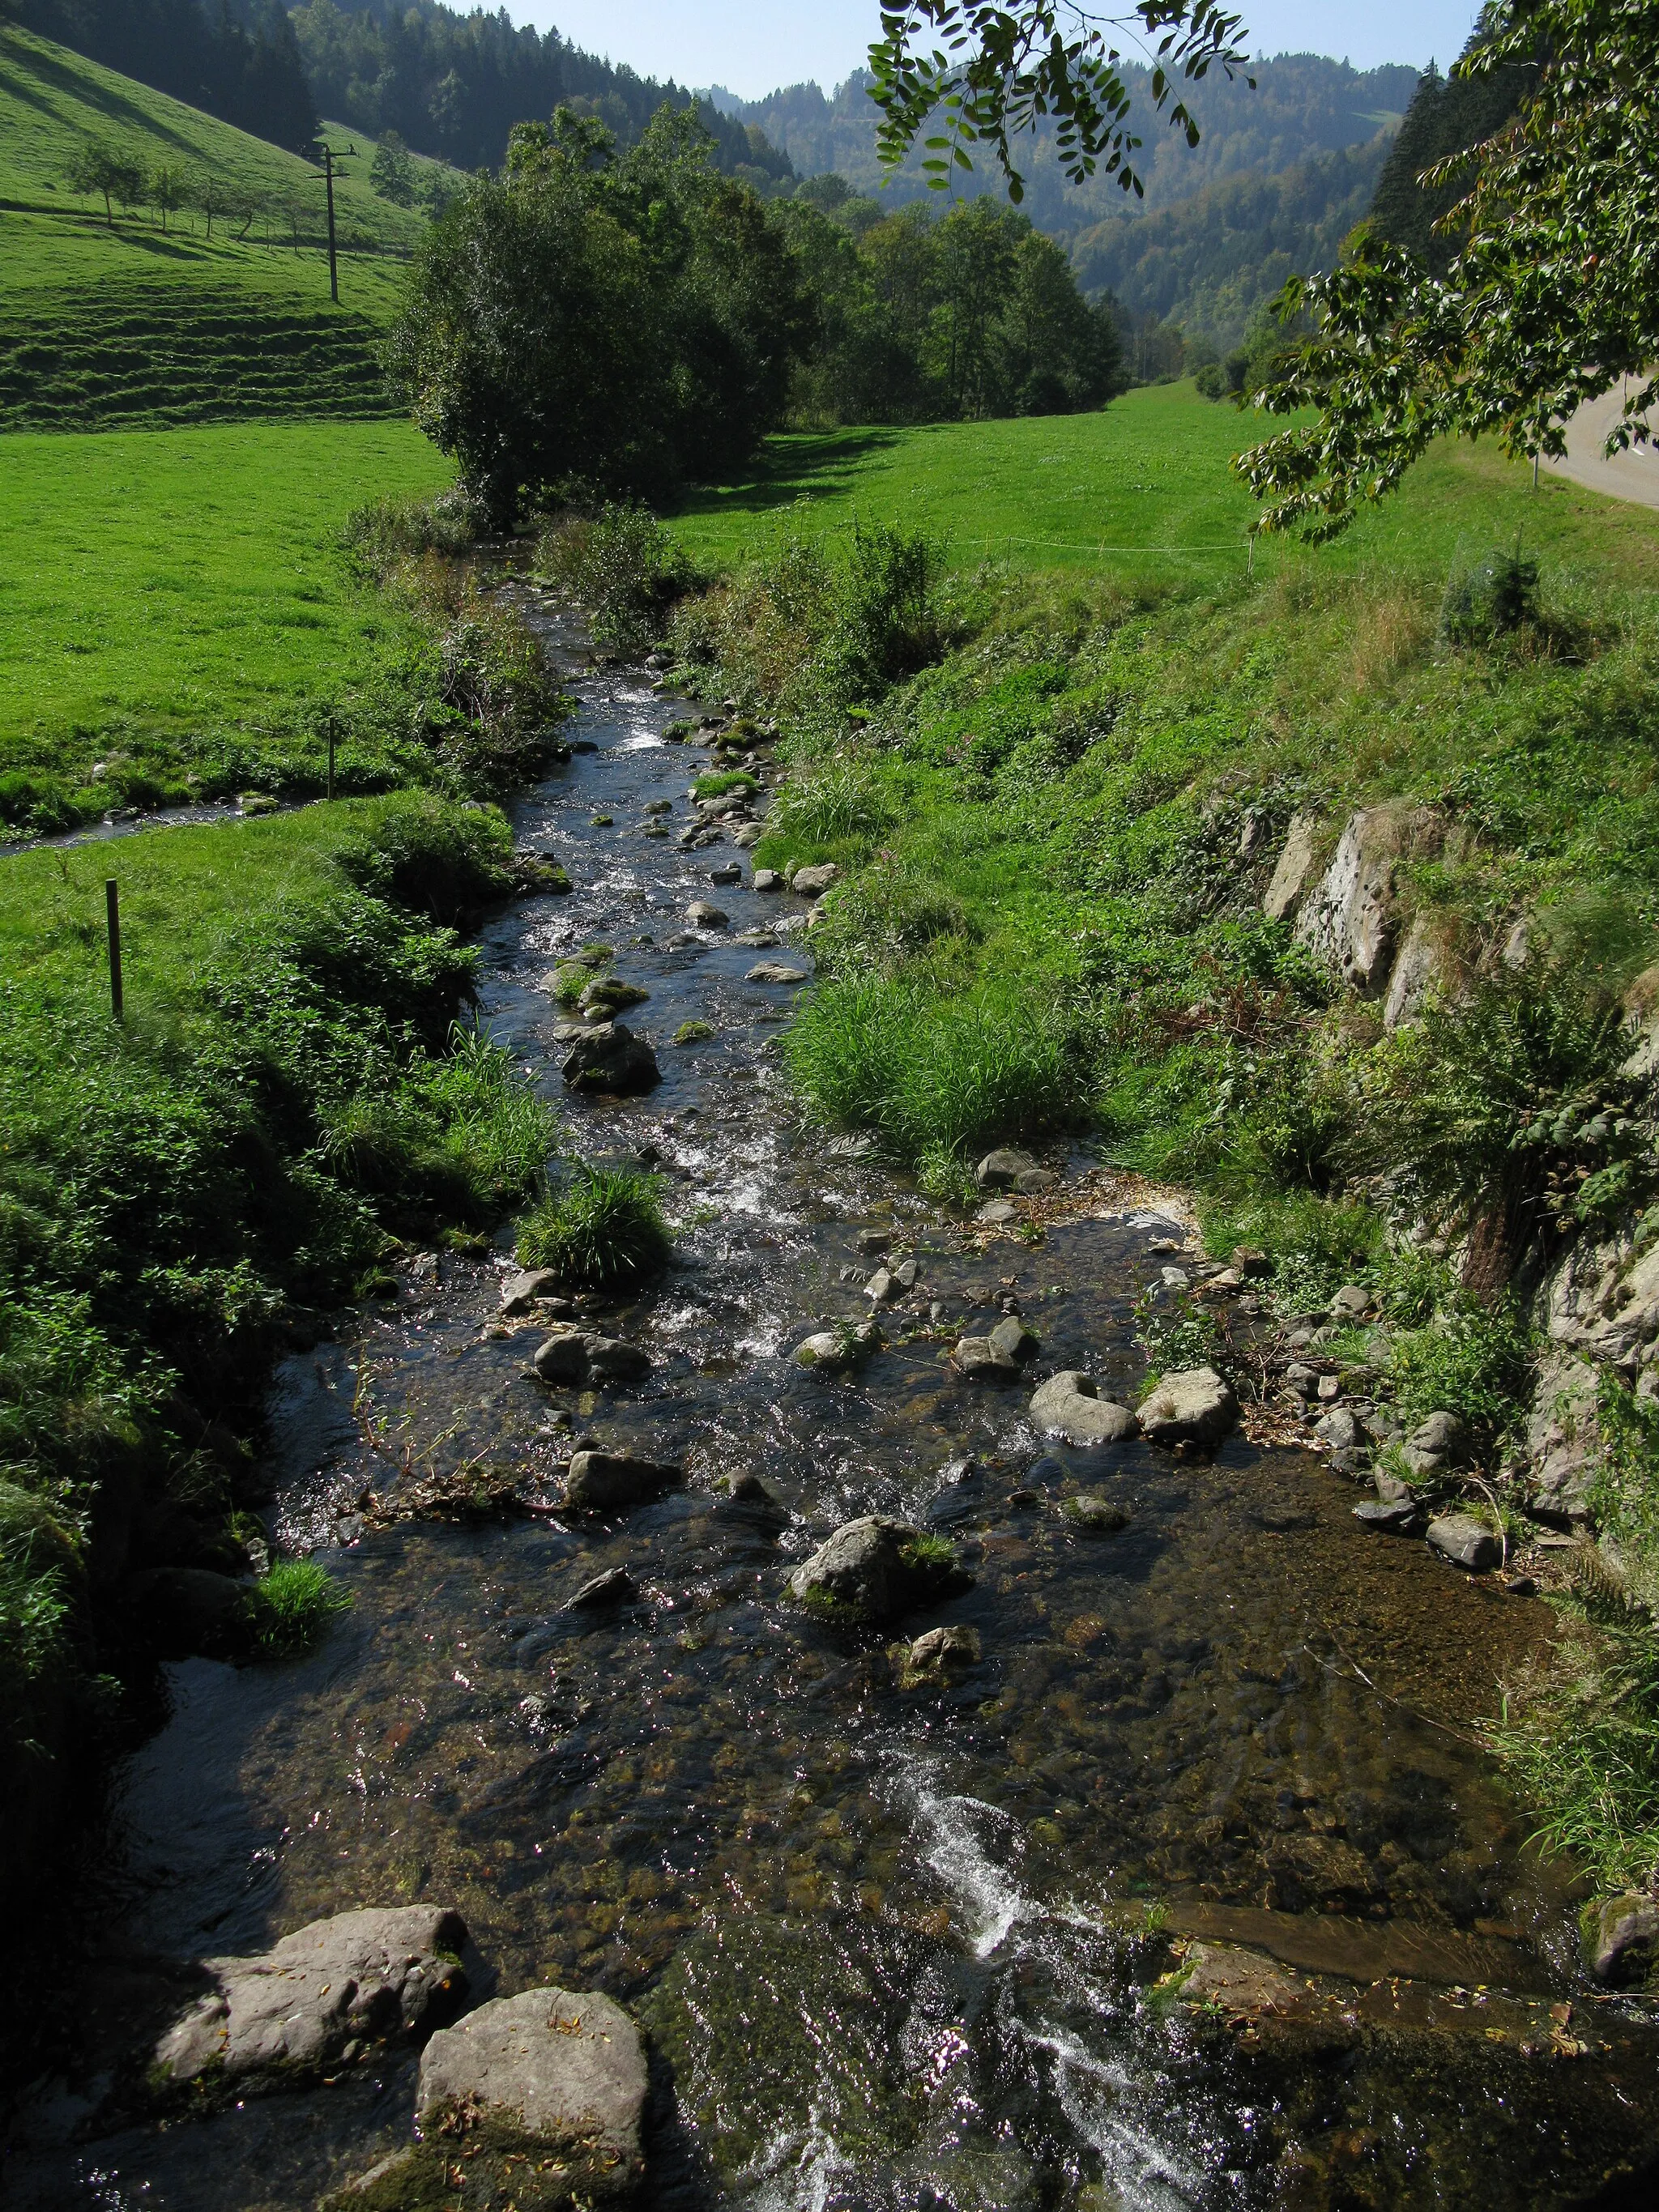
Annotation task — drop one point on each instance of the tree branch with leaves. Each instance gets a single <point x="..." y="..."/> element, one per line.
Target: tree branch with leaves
<point x="1552" y="298"/>
<point x="994" y="71"/>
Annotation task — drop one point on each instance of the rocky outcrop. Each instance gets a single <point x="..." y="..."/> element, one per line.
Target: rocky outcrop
<point x="1194" y="1408"/>
<point x="1350" y="918"/>
<point x="876" y="1569"/>
<point x="1296" y="868"/>
<point x="1602" y="1302"/>
<point x="1069" y="1405"/>
<point x="291" y="2011"/>
<point x="1563" y="1440"/>
<point x="1425" y="973"/>
<point x="610" y="1058"/>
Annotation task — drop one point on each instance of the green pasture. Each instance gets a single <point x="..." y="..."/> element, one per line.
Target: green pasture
<point x="1145" y="487"/>
<point x="171" y="582"/>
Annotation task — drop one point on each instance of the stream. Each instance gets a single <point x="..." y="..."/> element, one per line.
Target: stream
<point x="894" y="1949"/>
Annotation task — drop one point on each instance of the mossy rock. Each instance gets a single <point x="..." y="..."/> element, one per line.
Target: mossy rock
<point x="474" y="2162"/>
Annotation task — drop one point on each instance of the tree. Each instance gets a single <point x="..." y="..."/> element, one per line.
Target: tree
<point x="99" y="172"/>
<point x="391" y="173"/>
<point x="207" y="195"/>
<point x="1552" y="297"/>
<point x="169" y="190"/>
<point x="997" y="70"/>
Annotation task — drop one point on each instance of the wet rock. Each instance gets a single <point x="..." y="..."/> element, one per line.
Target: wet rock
<point x="776" y="971"/>
<point x="1101" y="1516"/>
<point x="1466" y="1541"/>
<point x="998" y="1211"/>
<point x="520" y="1290"/>
<point x="611" y="1359"/>
<point x="877" y="1569"/>
<point x="290" y="2011"/>
<point x="838" y="1351"/>
<point x="1441" y="1441"/>
<point x="881" y="1286"/>
<point x="1622" y="1939"/>
<point x="178" y="1613"/>
<point x="978" y="1359"/>
<point x="608" y="995"/>
<point x="1069" y="1405"/>
<point x="745" y="1487"/>
<point x="1397" y="1517"/>
<point x="767" y="879"/>
<point x="1011" y="1340"/>
<point x="603" y="1482"/>
<point x="563" y="2068"/>
<point x="905" y="1273"/>
<point x="730" y="873"/>
<point x="872" y="1241"/>
<point x="563" y="1357"/>
<point x="1354" y="1462"/>
<point x="812" y="883"/>
<point x="613" y="1587"/>
<point x="1194" y="1408"/>
<point x="1236" y="1980"/>
<point x="1352" y="917"/>
<point x="611" y="1058"/>
<point x="1297" y="866"/>
<point x="937" y="1655"/>
<point x="1002" y="1169"/>
<point x="1314" y="1871"/>
<point x="701" y="915"/>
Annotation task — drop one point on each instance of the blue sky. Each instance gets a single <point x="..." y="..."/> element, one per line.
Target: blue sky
<point x="755" y="46"/>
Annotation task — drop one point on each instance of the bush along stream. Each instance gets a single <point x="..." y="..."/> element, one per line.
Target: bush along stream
<point x="853" y="1689"/>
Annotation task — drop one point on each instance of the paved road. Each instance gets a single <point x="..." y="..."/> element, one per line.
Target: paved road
<point x="1634" y="475"/>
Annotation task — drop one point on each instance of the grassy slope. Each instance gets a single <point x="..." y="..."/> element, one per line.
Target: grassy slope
<point x="159" y="588"/>
<point x="90" y="307"/>
<point x="1150" y="472"/>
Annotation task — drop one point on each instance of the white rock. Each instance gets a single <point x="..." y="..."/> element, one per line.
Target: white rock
<point x="562" y="2066"/>
<point x="1352" y="917"/>
<point x="1193" y="1407"/>
<point x="1297" y="866"/>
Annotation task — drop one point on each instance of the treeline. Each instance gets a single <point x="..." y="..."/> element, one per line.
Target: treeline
<point x="1446" y="116"/>
<point x="598" y="321"/>
<point x="238" y="60"/>
<point x="917" y="319"/>
<point x="455" y="85"/>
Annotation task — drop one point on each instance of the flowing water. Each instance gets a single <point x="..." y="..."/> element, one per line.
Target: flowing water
<point x="896" y="1948"/>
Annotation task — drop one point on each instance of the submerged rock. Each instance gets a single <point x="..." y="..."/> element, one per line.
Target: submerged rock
<point x="290" y="2011"/>
<point x="604" y="1482"/>
<point x="1069" y="1405"/>
<point x="875" y="1568"/>
<point x="979" y="1359"/>
<point x="1194" y="1408"/>
<point x="615" y="1586"/>
<point x="611" y="1057"/>
<point x="937" y="1655"/>
<point x="1622" y="1939"/>
<point x="1101" y="1516"/>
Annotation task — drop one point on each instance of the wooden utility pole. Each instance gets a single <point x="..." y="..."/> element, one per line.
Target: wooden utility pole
<point x="330" y="155"/>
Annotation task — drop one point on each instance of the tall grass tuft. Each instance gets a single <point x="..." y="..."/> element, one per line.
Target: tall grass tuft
<point x="290" y="1609"/>
<point x="603" y="1231"/>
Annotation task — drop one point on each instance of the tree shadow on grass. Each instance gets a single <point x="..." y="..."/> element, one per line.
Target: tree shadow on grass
<point x="798" y="464"/>
<point x="87" y="92"/>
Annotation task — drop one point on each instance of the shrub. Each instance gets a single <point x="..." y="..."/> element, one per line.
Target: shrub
<point x="621" y="566"/>
<point x="604" y="1230"/>
<point x="386" y="532"/>
<point x="891" y="621"/>
<point x="290" y="1609"/>
<point x="1470" y="1360"/>
<point x="1497" y="594"/>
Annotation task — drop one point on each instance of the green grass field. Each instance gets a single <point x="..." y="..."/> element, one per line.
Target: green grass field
<point x="169" y="580"/>
<point x="1144" y="488"/>
<point x="123" y="323"/>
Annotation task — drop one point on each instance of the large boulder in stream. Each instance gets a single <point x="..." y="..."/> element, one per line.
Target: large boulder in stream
<point x="876" y="1569"/>
<point x="289" y="2013"/>
<point x="611" y="1057"/>
<point x="1194" y="1409"/>
<point x="1069" y="1405"/>
<point x="609" y="1482"/>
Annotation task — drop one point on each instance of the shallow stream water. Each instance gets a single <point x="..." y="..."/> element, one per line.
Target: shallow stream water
<point x="895" y="1948"/>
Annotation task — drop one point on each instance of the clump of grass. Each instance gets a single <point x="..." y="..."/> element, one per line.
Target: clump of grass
<point x="717" y="785"/>
<point x="1179" y="1335"/>
<point x="1470" y="1360"/>
<point x="290" y="1609"/>
<point x="604" y="1230"/>
<point x="1580" y="1737"/>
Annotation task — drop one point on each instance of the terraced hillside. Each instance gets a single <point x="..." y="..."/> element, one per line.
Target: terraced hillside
<point x="122" y="318"/>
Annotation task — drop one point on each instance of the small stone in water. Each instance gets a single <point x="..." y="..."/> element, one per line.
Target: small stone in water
<point x="729" y="873"/>
<point x="701" y="915"/>
<point x="615" y="1586"/>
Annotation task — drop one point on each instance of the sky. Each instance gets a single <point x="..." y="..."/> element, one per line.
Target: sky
<point x="753" y="46"/>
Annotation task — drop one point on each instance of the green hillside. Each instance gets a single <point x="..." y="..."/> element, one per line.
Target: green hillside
<point x="127" y="323"/>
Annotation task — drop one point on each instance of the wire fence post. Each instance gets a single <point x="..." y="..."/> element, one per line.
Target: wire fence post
<point x="1249" y="547"/>
<point x="330" y="758"/>
<point x="112" y="910"/>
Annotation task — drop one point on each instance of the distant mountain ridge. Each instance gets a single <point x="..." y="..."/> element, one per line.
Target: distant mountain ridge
<point x="1303" y="105"/>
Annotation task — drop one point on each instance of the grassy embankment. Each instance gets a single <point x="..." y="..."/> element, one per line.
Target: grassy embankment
<point x="120" y="323"/>
<point x="1058" y="784"/>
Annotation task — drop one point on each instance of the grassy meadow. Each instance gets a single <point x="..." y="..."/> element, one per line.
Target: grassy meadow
<point x="125" y="322"/>
<point x="172" y="602"/>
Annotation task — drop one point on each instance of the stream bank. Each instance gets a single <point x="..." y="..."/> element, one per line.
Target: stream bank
<point x="973" y="1944"/>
